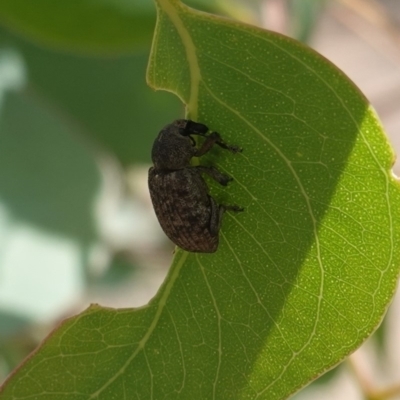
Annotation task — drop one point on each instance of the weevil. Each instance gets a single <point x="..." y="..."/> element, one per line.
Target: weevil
<point x="187" y="213"/>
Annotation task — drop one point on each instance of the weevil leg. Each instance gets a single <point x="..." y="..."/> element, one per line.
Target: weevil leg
<point x="230" y="147"/>
<point x="189" y="127"/>
<point x="211" y="139"/>
<point x="216" y="217"/>
<point x="233" y="208"/>
<point x="217" y="211"/>
<point x="215" y="174"/>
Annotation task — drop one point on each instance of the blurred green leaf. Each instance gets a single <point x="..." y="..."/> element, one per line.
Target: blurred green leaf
<point x="118" y="272"/>
<point x="301" y="278"/>
<point x="304" y="16"/>
<point x="47" y="177"/>
<point x="14" y="343"/>
<point x="11" y="323"/>
<point x="108" y="97"/>
<point x="96" y="27"/>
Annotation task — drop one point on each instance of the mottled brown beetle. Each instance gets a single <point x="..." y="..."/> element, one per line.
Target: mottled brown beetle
<point x="189" y="216"/>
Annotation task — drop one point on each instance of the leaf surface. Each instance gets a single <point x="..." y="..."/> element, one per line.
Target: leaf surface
<point x="301" y="278"/>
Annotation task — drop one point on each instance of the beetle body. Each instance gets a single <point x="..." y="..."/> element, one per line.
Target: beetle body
<point x="189" y="216"/>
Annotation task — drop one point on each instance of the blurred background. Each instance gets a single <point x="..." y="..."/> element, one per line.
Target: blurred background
<point x="76" y="126"/>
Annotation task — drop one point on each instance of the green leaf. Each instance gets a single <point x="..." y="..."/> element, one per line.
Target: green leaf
<point x="48" y="179"/>
<point x="103" y="26"/>
<point x="301" y="278"/>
